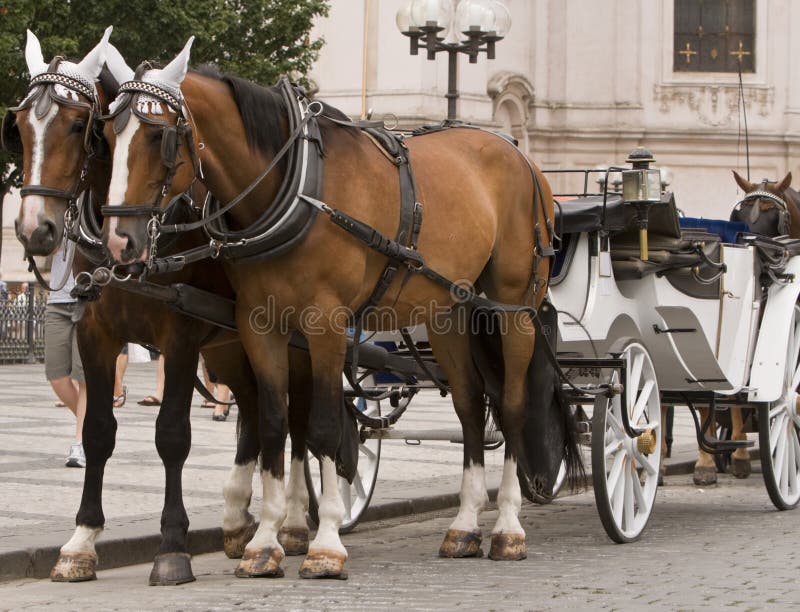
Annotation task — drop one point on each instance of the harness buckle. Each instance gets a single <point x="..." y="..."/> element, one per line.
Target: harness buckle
<point x="216" y="247"/>
<point x="315" y="108"/>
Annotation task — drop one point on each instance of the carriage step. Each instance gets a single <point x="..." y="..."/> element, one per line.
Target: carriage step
<point x="720" y="446"/>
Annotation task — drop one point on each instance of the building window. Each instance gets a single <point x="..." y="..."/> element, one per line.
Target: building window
<point x="714" y="35"/>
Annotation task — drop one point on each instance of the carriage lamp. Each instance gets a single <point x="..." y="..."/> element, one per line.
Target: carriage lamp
<point x="473" y="28"/>
<point x="641" y="187"/>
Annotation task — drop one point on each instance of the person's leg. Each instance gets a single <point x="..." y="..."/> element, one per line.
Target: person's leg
<point x="119" y="376"/>
<point x="159" y="394"/>
<point x="80" y="412"/>
<point x="223" y="395"/>
<point x="67" y="392"/>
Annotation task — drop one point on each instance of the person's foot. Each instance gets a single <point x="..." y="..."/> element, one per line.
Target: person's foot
<point x="76" y="456"/>
<point x="219" y="416"/>
<point x="119" y="400"/>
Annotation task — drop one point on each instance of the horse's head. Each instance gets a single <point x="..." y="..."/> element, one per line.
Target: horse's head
<point x="764" y="208"/>
<point x="150" y="136"/>
<point x="54" y="130"/>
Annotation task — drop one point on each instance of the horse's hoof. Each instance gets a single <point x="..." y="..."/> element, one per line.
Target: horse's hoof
<point x="705" y="476"/>
<point x="740" y="468"/>
<point x="234" y="542"/>
<point x="170" y="569"/>
<point x="74" y="567"/>
<point x="323" y="563"/>
<point x="458" y="544"/>
<point x="261" y="563"/>
<point x="294" y="540"/>
<point x="508" y="547"/>
<point x="662" y="471"/>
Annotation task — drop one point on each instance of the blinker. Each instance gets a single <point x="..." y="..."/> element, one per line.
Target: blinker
<point x="9" y="137"/>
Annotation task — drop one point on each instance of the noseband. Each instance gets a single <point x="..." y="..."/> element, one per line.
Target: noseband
<point x="754" y="197"/>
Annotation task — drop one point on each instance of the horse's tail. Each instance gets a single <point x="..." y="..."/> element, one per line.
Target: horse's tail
<point x="549" y="435"/>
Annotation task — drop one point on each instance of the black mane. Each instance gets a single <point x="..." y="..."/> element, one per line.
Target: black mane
<point x="262" y="109"/>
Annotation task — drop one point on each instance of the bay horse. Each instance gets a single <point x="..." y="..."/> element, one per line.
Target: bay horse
<point x="768" y="208"/>
<point x="58" y="144"/>
<point x="488" y="218"/>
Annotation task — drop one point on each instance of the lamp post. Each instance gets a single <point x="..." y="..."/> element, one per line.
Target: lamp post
<point x="473" y="28"/>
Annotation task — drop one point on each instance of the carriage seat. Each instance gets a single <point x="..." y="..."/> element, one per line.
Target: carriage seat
<point x="585" y="214"/>
<point x="680" y="260"/>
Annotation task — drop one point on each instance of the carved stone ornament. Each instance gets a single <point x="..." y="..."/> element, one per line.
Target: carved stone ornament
<point x="714" y="105"/>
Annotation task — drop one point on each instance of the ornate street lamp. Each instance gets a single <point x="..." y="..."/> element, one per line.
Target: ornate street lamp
<point x="473" y="28"/>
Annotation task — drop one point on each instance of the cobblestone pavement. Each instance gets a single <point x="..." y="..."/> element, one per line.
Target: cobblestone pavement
<point x="719" y="548"/>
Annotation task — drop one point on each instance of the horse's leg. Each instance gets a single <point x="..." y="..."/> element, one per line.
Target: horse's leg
<point x="78" y="558"/>
<point x="172" y="564"/>
<point x="263" y="554"/>
<point x="740" y="459"/>
<point x="518" y="337"/>
<point x="294" y="534"/>
<point x="705" y="470"/>
<point x="326" y="553"/>
<point x="230" y="363"/>
<point x="452" y="350"/>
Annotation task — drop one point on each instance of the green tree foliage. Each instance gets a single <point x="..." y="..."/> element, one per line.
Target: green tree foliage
<point x="256" y="39"/>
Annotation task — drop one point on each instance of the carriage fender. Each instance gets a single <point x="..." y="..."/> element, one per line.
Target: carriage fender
<point x="769" y="360"/>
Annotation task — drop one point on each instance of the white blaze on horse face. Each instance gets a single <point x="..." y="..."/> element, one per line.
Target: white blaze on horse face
<point x="33" y="205"/>
<point x="119" y="183"/>
<point x="473" y="498"/>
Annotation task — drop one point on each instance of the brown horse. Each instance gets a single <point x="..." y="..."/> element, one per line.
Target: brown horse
<point x="56" y="148"/>
<point x="769" y="208"/>
<point x="487" y="214"/>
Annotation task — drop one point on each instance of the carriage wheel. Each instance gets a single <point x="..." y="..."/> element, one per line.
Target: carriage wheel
<point x="624" y="469"/>
<point x="356" y="496"/>
<point x="778" y="427"/>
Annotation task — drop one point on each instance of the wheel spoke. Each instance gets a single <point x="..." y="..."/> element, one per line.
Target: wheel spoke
<point x="629" y="514"/>
<point x="641" y="502"/>
<point x="344" y="491"/>
<point x="614" y="473"/>
<point x="618" y="494"/>
<point x="791" y="461"/>
<point x="635" y="371"/>
<point x="614" y="423"/>
<point x="369" y="455"/>
<point x="779" y="458"/>
<point x="358" y="485"/>
<point x="641" y="401"/>
<point x="644" y="462"/>
<point x="775" y="431"/>
<point x="612" y="448"/>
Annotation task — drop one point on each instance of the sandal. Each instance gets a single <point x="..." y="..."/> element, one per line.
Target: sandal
<point x="222" y="416"/>
<point x="119" y="400"/>
<point x="207" y="404"/>
<point x="150" y="400"/>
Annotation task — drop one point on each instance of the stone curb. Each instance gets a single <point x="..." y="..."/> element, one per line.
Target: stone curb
<point x="120" y="552"/>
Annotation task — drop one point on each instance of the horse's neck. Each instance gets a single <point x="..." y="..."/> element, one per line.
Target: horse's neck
<point x="229" y="164"/>
<point x="792" y="199"/>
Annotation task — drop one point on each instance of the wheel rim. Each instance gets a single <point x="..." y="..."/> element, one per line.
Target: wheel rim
<point x="630" y="476"/>
<point x="780" y="445"/>
<point x="356" y="495"/>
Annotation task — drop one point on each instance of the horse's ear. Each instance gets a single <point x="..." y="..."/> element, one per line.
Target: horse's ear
<point x="92" y="64"/>
<point x="174" y="72"/>
<point x="746" y="186"/>
<point x="117" y="65"/>
<point x="784" y="184"/>
<point x="33" y="55"/>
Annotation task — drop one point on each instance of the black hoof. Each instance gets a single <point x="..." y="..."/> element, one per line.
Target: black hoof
<point x="170" y="569"/>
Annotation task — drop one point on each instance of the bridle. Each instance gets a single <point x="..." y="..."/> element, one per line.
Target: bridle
<point x="754" y="197"/>
<point x="42" y="93"/>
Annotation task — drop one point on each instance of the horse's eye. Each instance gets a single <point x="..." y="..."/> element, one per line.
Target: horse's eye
<point x="78" y="126"/>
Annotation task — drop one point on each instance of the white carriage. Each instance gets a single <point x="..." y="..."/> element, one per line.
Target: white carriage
<point x="678" y="315"/>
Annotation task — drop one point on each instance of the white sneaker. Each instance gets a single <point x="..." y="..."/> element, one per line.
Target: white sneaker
<point x="76" y="457"/>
